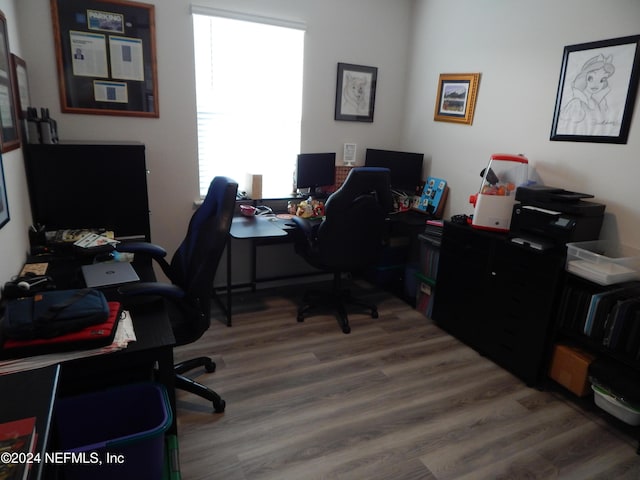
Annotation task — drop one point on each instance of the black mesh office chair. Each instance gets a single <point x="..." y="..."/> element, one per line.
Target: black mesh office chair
<point x="348" y="240"/>
<point x="191" y="272"/>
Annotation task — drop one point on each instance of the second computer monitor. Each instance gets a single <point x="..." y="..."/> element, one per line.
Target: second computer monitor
<point x="406" y="167"/>
<point x="315" y="170"/>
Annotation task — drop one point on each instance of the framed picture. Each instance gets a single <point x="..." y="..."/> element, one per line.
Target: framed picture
<point x="4" y="206"/>
<point x="21" y="85"/>
<point x="597" y="90"/>
<point x="10" y="133"/>
<point x="456" y="98"/>
<point x="355" y="92"/>
<point x="106" y="57"/>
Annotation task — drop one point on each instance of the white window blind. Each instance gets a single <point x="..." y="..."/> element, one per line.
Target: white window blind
<point x="249" y="99"/>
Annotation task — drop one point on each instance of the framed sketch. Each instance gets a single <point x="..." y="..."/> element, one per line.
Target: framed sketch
<point x="597" y="91"/>
<point x="106" y="57"/>
<point x="355" y="92"/>
<point x="456" y="97"/>
<point x="4" y="206"/>
<point x="21" y="85"/>
<point x="10" y="133"/>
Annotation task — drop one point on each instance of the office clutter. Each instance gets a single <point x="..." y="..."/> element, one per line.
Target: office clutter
<point x="493" y="204"/>
<point x="121" y="429"/>
<point x="43" y="129"/>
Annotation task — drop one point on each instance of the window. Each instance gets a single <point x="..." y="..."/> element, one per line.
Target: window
<point x="249" y="100"/>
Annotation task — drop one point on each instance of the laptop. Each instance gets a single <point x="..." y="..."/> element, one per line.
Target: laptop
<point x="108" y="274"/>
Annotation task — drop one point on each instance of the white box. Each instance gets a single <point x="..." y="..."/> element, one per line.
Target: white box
<point x="603" y="262"/>
<point x="616" y="408"/>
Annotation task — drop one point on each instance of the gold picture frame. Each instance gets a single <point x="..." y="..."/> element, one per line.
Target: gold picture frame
<point x="456" y="99"/>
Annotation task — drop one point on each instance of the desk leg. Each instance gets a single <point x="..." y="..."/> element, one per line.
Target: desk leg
<point x="166" y="376"/>
<point x="229" y="282"/>
<point x="254" y="255"/>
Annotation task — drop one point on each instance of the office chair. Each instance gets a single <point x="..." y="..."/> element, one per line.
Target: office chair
<point x="191" y="272"/>
<point x="348" y="240"/>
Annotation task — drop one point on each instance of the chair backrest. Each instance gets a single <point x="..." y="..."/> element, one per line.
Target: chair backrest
<point x="196" y="260"/>
<point x="351" y="236"/>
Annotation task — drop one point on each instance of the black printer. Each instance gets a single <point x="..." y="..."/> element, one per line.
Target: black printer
<point x="548" y="217"/>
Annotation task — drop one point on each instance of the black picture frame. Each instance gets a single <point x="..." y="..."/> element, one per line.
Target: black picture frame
<point x="355" y="92"/>
<point x="603" y="113"/>
<point x="4" y="205"/>
<point x="106" y="57"/>
<point x="10" y="131"/>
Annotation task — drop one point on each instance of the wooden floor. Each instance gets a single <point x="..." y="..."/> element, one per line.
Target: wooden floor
<point x="396" y="399"/>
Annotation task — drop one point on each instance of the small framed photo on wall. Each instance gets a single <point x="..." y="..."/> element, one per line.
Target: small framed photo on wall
<point x="456" y="97"/>
<point x="355" y="92"/>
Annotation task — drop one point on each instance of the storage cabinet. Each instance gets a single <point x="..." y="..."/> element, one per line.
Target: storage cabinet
<point x="498" y="297"/>
<point x="89" y="185"/>
<point x="604" y="320"/>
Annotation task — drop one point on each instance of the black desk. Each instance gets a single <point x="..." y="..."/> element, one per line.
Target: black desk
<point x="31" y="394"/>
<point x="256" y="228"/>
<point x="153" y="346"/>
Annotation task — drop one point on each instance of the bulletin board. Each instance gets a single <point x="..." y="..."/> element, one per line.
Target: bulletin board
<point x="106" y="56"/>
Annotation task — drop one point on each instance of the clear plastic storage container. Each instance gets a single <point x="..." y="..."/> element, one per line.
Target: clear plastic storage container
<point x="603" y="262"/>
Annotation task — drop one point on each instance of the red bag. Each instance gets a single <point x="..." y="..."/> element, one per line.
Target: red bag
<point x="93" y="336"/>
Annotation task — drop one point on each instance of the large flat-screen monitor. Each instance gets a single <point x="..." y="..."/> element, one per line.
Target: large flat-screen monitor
<point x="315" y="170"/>
<point x="76" y="186"/>
<point x="406" y="167"/>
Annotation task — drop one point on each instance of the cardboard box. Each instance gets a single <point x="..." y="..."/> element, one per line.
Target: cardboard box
<point x="570" y="368"/>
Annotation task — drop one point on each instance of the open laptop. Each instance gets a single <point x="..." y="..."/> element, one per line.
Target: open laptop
<point x="108" y="274"/>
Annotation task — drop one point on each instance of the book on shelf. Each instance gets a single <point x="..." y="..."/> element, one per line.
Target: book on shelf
<point x="17" y="437"/>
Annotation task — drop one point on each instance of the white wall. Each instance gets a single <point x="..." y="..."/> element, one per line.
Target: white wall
<point x="366" y="32"/>
<point x="517" y="46"/>
<point x="13" y="236"/>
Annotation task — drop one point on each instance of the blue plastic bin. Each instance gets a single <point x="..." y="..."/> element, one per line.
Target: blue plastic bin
<point x="116" y="434"/>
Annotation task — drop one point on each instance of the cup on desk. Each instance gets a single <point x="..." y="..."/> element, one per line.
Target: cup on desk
<point x="247" y="210"/>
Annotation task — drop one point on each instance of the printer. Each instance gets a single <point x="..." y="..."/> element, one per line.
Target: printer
<point x="546" y="217"/>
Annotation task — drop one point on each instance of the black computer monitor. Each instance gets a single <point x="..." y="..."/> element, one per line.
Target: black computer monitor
<point x="405" y="167"/>
<point x="315" y="170"/>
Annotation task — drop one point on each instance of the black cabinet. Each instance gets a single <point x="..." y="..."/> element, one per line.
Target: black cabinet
<point x="89" y="185"/>
<point x="498" y="297"/>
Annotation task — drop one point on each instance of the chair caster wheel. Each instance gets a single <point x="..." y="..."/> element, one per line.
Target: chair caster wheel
<point x="300" y="318"/>
<point x="210" y="368"/>
<point x="374" y="314"/>
<point x="220" y="406"/>
<point x="346" y="329"/>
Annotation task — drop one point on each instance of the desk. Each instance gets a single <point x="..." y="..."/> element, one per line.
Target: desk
<point x="32" y="395"/>
<point x="255" y="228"/>
<point x="154" y="343"/>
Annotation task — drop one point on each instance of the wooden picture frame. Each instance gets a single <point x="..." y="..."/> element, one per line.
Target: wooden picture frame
<point x="597" y="91"/>
<point x="355" y="92"/>
<point x="456" y="97"/>
<point x="106" y="57"/>
<point x="21" y="85"/>
<point x="4" y="206"/>
<point x="10" y="131"/>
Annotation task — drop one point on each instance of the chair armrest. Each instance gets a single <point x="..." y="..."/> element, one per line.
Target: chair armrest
<point x="304" y="225"/>
<point x="154" y="251"/>
<point x="164" y="290"/>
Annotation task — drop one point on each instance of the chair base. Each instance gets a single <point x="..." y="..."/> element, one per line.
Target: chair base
<point x="190" y="385"/>
<point x="337" y="300"/>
